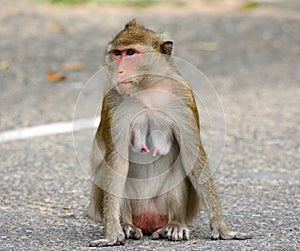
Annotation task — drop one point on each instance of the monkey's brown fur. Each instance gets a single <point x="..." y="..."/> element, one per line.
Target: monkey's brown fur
<point x="134" y="33"/>
<point x="135" y="192"/>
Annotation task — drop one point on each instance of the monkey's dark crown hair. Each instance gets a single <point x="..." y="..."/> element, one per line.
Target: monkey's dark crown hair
<point x="134" y="33"/>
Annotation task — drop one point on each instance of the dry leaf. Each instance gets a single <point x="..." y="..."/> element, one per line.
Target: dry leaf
<point x="72" y="66"/>
<point x="56" y="27"/>
<point x="52" y="76"/>
<point x="4" y="65"/>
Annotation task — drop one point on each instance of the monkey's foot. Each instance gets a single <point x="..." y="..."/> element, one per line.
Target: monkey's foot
<point x="216" y="235"/>
<point x="132" y="231"/>
<point x="172" y="231"/>
<point x="116" y="238"/>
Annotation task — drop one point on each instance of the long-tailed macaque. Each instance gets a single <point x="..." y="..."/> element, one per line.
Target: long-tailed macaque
<point x="150" y="170"/>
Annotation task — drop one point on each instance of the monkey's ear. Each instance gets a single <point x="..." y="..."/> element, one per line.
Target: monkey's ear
<point x="166" y="47"/>
<point x="109" y="47"/>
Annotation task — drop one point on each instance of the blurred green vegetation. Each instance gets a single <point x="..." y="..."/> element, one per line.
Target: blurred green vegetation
<point x="249" y="5"/>
<point x="67" y="1"/>
<point x="140" y="3"/>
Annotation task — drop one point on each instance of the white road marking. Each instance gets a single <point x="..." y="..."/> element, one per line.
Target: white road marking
<point x="49" y="129"/>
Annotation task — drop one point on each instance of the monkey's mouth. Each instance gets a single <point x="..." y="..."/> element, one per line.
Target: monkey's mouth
<point x="125" y="84"/>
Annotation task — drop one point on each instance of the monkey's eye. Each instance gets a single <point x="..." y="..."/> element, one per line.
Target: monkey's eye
<point x="116" y="53"/>
<point x="130" y="52"/>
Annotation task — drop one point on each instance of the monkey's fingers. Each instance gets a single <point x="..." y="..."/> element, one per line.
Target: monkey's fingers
<point x="186" y="234"/>
<point x="159" y="234"/>
<point x="236" y="236"/>
<point x="98" y="243"/>
<point x="106" y="242"/>
<point x="230" y="236"/>
<point x="132" y="231"/>
<point x="172" y="232"/>
<point x="177" y="232"/>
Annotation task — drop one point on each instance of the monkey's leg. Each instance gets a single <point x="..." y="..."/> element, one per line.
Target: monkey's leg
<point x="176" y="229"/>
<point x="218" y="226"/>
<point x="129" y="229"/>
<point x="114" y="234"/>
<point x="202" y="180"/>
<point x="196" y="166"/>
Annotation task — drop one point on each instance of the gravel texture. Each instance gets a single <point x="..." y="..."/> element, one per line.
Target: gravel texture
<point x="251" y="57"/>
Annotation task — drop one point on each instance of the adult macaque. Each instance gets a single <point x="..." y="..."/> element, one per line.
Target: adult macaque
<point x="150" y="169"/>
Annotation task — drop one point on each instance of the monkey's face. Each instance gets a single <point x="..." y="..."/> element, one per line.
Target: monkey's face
<point x="132" y="66"/>
<point x="126" y="61"/>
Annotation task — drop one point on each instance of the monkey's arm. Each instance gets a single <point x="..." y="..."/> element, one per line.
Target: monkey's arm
<point x="202" y="180"/>
<point x="108" y="190"/>
<point x="110" y="177"/>
<point x="195" y="163"/>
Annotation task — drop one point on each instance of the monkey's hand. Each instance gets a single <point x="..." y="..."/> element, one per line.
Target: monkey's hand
<point x="116" y="237"/>
<point x="132" y="231"/>
<point x="173" y="232"/>
<point x="225" y="234"/>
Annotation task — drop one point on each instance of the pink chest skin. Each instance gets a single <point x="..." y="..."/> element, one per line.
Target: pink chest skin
<point x="149" y="222"/>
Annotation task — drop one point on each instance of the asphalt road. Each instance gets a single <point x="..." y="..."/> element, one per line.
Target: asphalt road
<point x="252" y="59"/>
